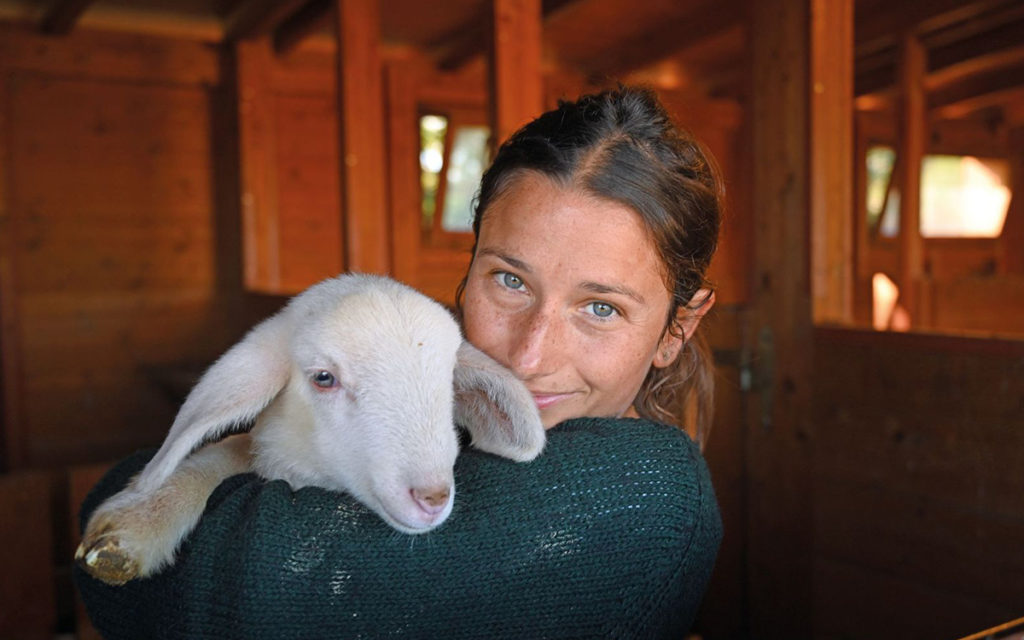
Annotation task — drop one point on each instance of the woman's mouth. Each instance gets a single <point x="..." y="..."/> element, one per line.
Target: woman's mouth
<point x="548" y="399"/>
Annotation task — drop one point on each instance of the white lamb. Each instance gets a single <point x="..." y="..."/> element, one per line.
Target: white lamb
<point x="354" y="386"/>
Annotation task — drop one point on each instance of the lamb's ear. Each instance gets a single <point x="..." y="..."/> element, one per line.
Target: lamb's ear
<point x="234" y="390"/>
<point x="496" y="407"/>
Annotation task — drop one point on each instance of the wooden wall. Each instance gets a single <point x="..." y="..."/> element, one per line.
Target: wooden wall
<point x="120" y="269"/>
<point x="121" y="237"/>
<point x="917" y="486"/>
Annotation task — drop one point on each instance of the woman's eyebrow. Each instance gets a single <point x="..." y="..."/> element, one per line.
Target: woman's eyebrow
<point x="597" y="287"/>
<point x="504" y="257"/>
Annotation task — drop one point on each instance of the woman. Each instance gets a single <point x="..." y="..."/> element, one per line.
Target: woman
<point x="594" y="229"/>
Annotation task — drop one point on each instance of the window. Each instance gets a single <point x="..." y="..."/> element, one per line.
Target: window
<point x="961" y="196"/>
<point x="453" y="155"/>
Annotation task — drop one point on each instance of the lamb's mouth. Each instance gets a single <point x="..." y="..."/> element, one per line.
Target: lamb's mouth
<point x="397" y="523"/>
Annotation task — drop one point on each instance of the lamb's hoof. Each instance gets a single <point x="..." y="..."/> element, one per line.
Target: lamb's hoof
<point x="105" y="560"/>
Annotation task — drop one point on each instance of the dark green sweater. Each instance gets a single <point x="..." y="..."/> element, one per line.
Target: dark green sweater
<point x="611" y="533"/>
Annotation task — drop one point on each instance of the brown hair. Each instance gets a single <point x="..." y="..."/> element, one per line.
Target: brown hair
<point x="622" y="146"/>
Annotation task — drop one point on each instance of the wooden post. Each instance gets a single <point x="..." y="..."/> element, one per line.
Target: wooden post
<point x="913" y="130"/>
<point x="404" y="171"/>
<point x="1011" y="242"/>
<point x="516" y="81"/>
<point x="361" y="129"/>
<point x="12" y="440"/>
<point x="258" y="170"/>
<point x="832" y="222"/>
<point x="779" y="433"/>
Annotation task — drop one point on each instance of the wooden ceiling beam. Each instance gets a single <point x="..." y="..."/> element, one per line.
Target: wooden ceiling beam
<point x="1004" y="35"/>
<point x="947" y="64"/>
<point x="311" y="18"/>
<point x="63" y="15"/>
<point x="883" y="24"/>
<point x="1009" y="103"/>
<point x="255" y="18"/>
<point x="470" y="39"/>
<point x="688" y="31"/>
<point x="994" y="80"/>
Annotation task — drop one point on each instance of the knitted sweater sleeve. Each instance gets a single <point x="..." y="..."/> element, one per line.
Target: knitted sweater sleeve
<point x="611" y="533"/>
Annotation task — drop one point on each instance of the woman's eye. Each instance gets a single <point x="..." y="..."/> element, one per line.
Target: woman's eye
<point x="324" y="379"/>
<point x="510" y="280"/>
<point x="602" y="309"/>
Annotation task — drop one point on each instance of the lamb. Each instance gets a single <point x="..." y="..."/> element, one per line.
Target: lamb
<point x="354" y="386"/>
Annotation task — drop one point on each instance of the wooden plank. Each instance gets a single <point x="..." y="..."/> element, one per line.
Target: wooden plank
<point x="1010" y="257"/>
<point x="916" y="434"/>
<point x="669" y="38"/>
<point x="313" y="17"/>
<point x="111" y="55"/>
<point x="12" y="453"/>
<point x="257" y="18"/>
<point x="779" y="426"/>
<point x="881" y="24"/>
<point x="516" y="80"/>
<point x="361" y="133"/>
<point x="258" y="159"/>
<point x="308" y="192"/>
<point x="723" y="611"/>
<point x="26" y="553"/>
<point x="913" y="132"/>
<point x="858" y="604"/>
<point x="404" y="171"/>
<point x="62" y="16"/>
<point x="831" y="142"/>
<point x="458" y="47"/>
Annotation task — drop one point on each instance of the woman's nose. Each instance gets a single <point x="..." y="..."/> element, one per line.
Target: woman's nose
<point x="536" y="342"/>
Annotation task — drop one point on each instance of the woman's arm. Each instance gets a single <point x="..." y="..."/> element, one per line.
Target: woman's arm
<point x="612" y="532"/>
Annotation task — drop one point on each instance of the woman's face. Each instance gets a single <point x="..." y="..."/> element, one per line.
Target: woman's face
<point x="566" y="290"/>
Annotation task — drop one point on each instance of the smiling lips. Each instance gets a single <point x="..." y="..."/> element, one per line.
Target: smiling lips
<point x="545" y="399"/>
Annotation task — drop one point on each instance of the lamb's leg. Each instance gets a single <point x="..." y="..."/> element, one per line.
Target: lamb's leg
<point x="134" y="535"/>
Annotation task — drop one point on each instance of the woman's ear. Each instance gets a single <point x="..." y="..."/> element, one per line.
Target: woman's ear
<point x="685" y="324"/>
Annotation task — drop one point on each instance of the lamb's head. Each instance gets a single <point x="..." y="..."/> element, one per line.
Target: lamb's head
<point x="370" y="398"/>
<point x="356" y="386"/>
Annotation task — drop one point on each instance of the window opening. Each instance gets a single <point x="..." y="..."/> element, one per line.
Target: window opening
<point x="963" y="196"/>
<point x="465" y="169"/>
<point x="433" y="131"/>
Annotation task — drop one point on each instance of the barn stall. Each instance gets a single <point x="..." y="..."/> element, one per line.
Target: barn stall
<point x="172" y="171"/>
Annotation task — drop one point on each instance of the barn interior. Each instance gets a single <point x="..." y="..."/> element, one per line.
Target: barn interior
<point x="172" y="170"/>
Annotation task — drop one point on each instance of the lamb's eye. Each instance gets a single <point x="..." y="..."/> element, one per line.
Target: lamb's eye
<point x="324" y="379"/>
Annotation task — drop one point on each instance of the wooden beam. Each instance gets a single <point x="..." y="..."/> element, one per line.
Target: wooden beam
<point x="468" y="40"/>
<point x="978" y="49"/>
<point x="516" y="80"/>
<point x="63" y="15"/>
<point x="779" y="431"/>
<point x="12" y="439"/>
<point x="1010" y="257"/>
<point x="670" y="38"/>
<point x="255" y="18"/>
<point x="977" y="80"/>
<point x="975" y="38"/>
<point x="312" y="17"/>
<point x="883" y="23"/>
<point x="832" y="160"/>
<point x="361" y="129"/>
<point x="913" y="132"/>
<point x="258" y="171"/>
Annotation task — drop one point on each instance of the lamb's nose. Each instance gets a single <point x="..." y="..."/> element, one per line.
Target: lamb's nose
<point x="432" y="500"/>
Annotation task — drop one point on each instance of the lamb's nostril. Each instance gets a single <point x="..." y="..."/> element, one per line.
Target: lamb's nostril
<point x="433" y="500"/>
